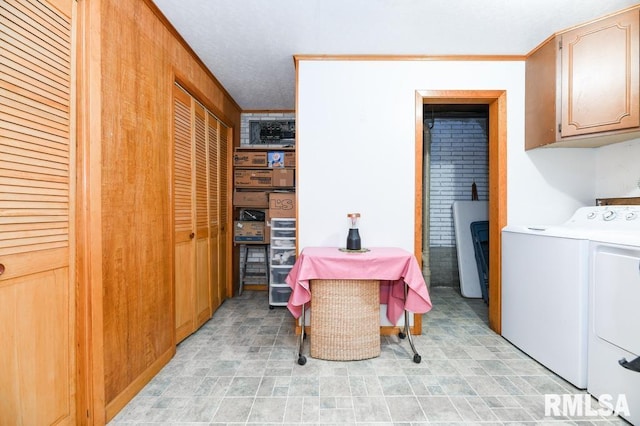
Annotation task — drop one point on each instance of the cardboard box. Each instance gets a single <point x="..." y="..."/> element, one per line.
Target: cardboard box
<point x="250" y="159"/>
<point x="251" y="199"/>
<point x="275" y="159"/>
<point x="289" y="159"/>
<point x="282" y="204"/>
<point x="267" y="231"/>
<point x="248" y="232"/>
<point x="282" y="177"/>
<point x="253" y="178"/>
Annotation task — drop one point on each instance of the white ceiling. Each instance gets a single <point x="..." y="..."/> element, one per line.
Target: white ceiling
<point x="249" y="44"/>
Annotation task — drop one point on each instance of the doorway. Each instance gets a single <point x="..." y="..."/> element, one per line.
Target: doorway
<point x="496" y="105"/>
<point x="455" y="184"/>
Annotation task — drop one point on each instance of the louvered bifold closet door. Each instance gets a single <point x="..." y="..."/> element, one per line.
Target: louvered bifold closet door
<point x="202" y="300"/>
<point x="214" y="213"/>
<point x="35" y="96"/>
<point x="37" y="311"/>
<point x="184" y="229"/>
<point x="223" y="185"/>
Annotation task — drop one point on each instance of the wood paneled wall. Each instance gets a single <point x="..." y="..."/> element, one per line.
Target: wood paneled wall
<point x="136" y="60"/>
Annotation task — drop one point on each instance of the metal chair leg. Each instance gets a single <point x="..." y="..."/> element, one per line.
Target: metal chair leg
<point x="244" y="268"/>
<point x="407" y="332"/>
<point x="302" y="360"/>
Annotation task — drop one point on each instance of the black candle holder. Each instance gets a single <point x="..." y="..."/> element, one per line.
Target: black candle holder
<point x="353" y="238"/>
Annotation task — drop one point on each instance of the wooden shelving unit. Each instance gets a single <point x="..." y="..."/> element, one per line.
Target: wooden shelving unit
<point x="259" y="170"/>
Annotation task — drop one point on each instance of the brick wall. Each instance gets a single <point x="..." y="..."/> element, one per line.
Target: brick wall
<point x="459" y="157"/>
<point x="254" y="116"/>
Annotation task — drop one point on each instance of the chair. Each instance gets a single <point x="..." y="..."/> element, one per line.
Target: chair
<point x="480" y="238"/>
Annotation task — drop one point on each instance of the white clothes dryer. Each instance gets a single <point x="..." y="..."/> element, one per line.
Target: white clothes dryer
<point x="614" y="301"/>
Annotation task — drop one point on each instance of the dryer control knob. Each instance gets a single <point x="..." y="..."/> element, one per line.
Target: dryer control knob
<point x="631" y="216"/>
<point x="592" y="215"/>
<point x="609" y="215"/>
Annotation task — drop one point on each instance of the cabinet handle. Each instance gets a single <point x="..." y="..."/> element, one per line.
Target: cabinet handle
<point x="1" y="269"/>
<point x="191" y="235"/>
<point x="633" y="365"/>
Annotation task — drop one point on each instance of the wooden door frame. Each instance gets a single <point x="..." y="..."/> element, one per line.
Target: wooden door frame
<point x="90" y="394"/>
<point x="497" y="141"/>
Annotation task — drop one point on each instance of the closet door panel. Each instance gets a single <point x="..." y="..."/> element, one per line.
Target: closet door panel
<point x="200" y="204"/>
<point x="223" y="173"/>
<point x="214" y="211"/>
<point x="183" y="214"/>
<point x="37" y="297"/>
<point x="202" y="297"/>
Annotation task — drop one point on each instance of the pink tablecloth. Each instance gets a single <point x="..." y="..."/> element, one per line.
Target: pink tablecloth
<point x="394" y="267"/>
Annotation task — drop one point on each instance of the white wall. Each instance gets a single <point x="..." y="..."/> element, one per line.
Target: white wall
<point x="547" y="185"/>
<point x="356" y="149"/>
<point x="618" y="170"/>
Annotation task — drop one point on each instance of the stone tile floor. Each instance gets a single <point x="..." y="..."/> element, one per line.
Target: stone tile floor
<point x="240" y="368"/>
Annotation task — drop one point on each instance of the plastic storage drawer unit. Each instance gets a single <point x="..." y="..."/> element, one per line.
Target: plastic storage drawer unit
<point x="282" y="256"/>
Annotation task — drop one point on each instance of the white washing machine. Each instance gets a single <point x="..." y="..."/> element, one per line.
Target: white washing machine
<point x="544" y="296"/>
<point x="614" y="303"/>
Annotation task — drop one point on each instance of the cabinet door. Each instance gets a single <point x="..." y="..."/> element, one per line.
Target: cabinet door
<point x="184" y="262"/>
<point x="37" y="289"/>
<point x="541" y="96"/>
<point x="600" y="81"/>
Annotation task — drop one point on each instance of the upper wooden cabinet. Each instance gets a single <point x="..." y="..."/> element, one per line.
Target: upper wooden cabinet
<point x="583" y="85"/>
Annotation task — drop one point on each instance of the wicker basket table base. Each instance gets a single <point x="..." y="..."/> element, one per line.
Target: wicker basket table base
<point x="345" y="319"/>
